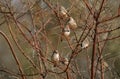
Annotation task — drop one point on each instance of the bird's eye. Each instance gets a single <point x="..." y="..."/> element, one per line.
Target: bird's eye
<point x="66" y="30"/>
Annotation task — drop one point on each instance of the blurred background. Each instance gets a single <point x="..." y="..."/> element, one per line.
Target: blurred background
<point x="34" y="31"/>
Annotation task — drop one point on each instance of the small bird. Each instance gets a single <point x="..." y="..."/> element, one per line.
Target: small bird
<point x="105" y="65"/>
<point x="55" y="57"/>
<point x="72" y="23"/>
<point x="85" y="43"/>
<point x="65" y="32"/>
<point x="66" y="61"/>
<point x="63" y="11"/>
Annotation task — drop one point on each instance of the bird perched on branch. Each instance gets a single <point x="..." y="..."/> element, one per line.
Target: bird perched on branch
<point x="72" y="23"/>
<point x="85" y="43"/>
<point x="63" y="12"/>
<point x="66" y="32"/>
<point x="66" y="61"/>
<point x="55" y="57"/>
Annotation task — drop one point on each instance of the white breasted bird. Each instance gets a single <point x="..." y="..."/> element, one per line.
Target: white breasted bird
<point x="63" y="11"/>
<point x="105" y="65"/>
<point x="66" y="61"/>
<point x="55" y="57"/>
<point x="85" y="43"/>
<point x="72" y="23"/>
<point x="65" y="32"/>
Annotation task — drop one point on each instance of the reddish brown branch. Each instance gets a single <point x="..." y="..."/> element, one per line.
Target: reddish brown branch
<point x="94" y="54"/>
<point x="100" y="9"/>
<point x="108" y="19"/>
<point x="14" y="55"/>
<point x="116" y="37"/>
<point x="109" y="30"/>
<point x="88" y="6"/>
<point x="19" y="47"/>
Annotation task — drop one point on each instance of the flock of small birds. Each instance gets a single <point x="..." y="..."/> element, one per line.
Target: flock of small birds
<point x="70" y="25"/>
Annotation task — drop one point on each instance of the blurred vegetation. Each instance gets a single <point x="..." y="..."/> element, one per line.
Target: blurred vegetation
<point x="36" y="16"/>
